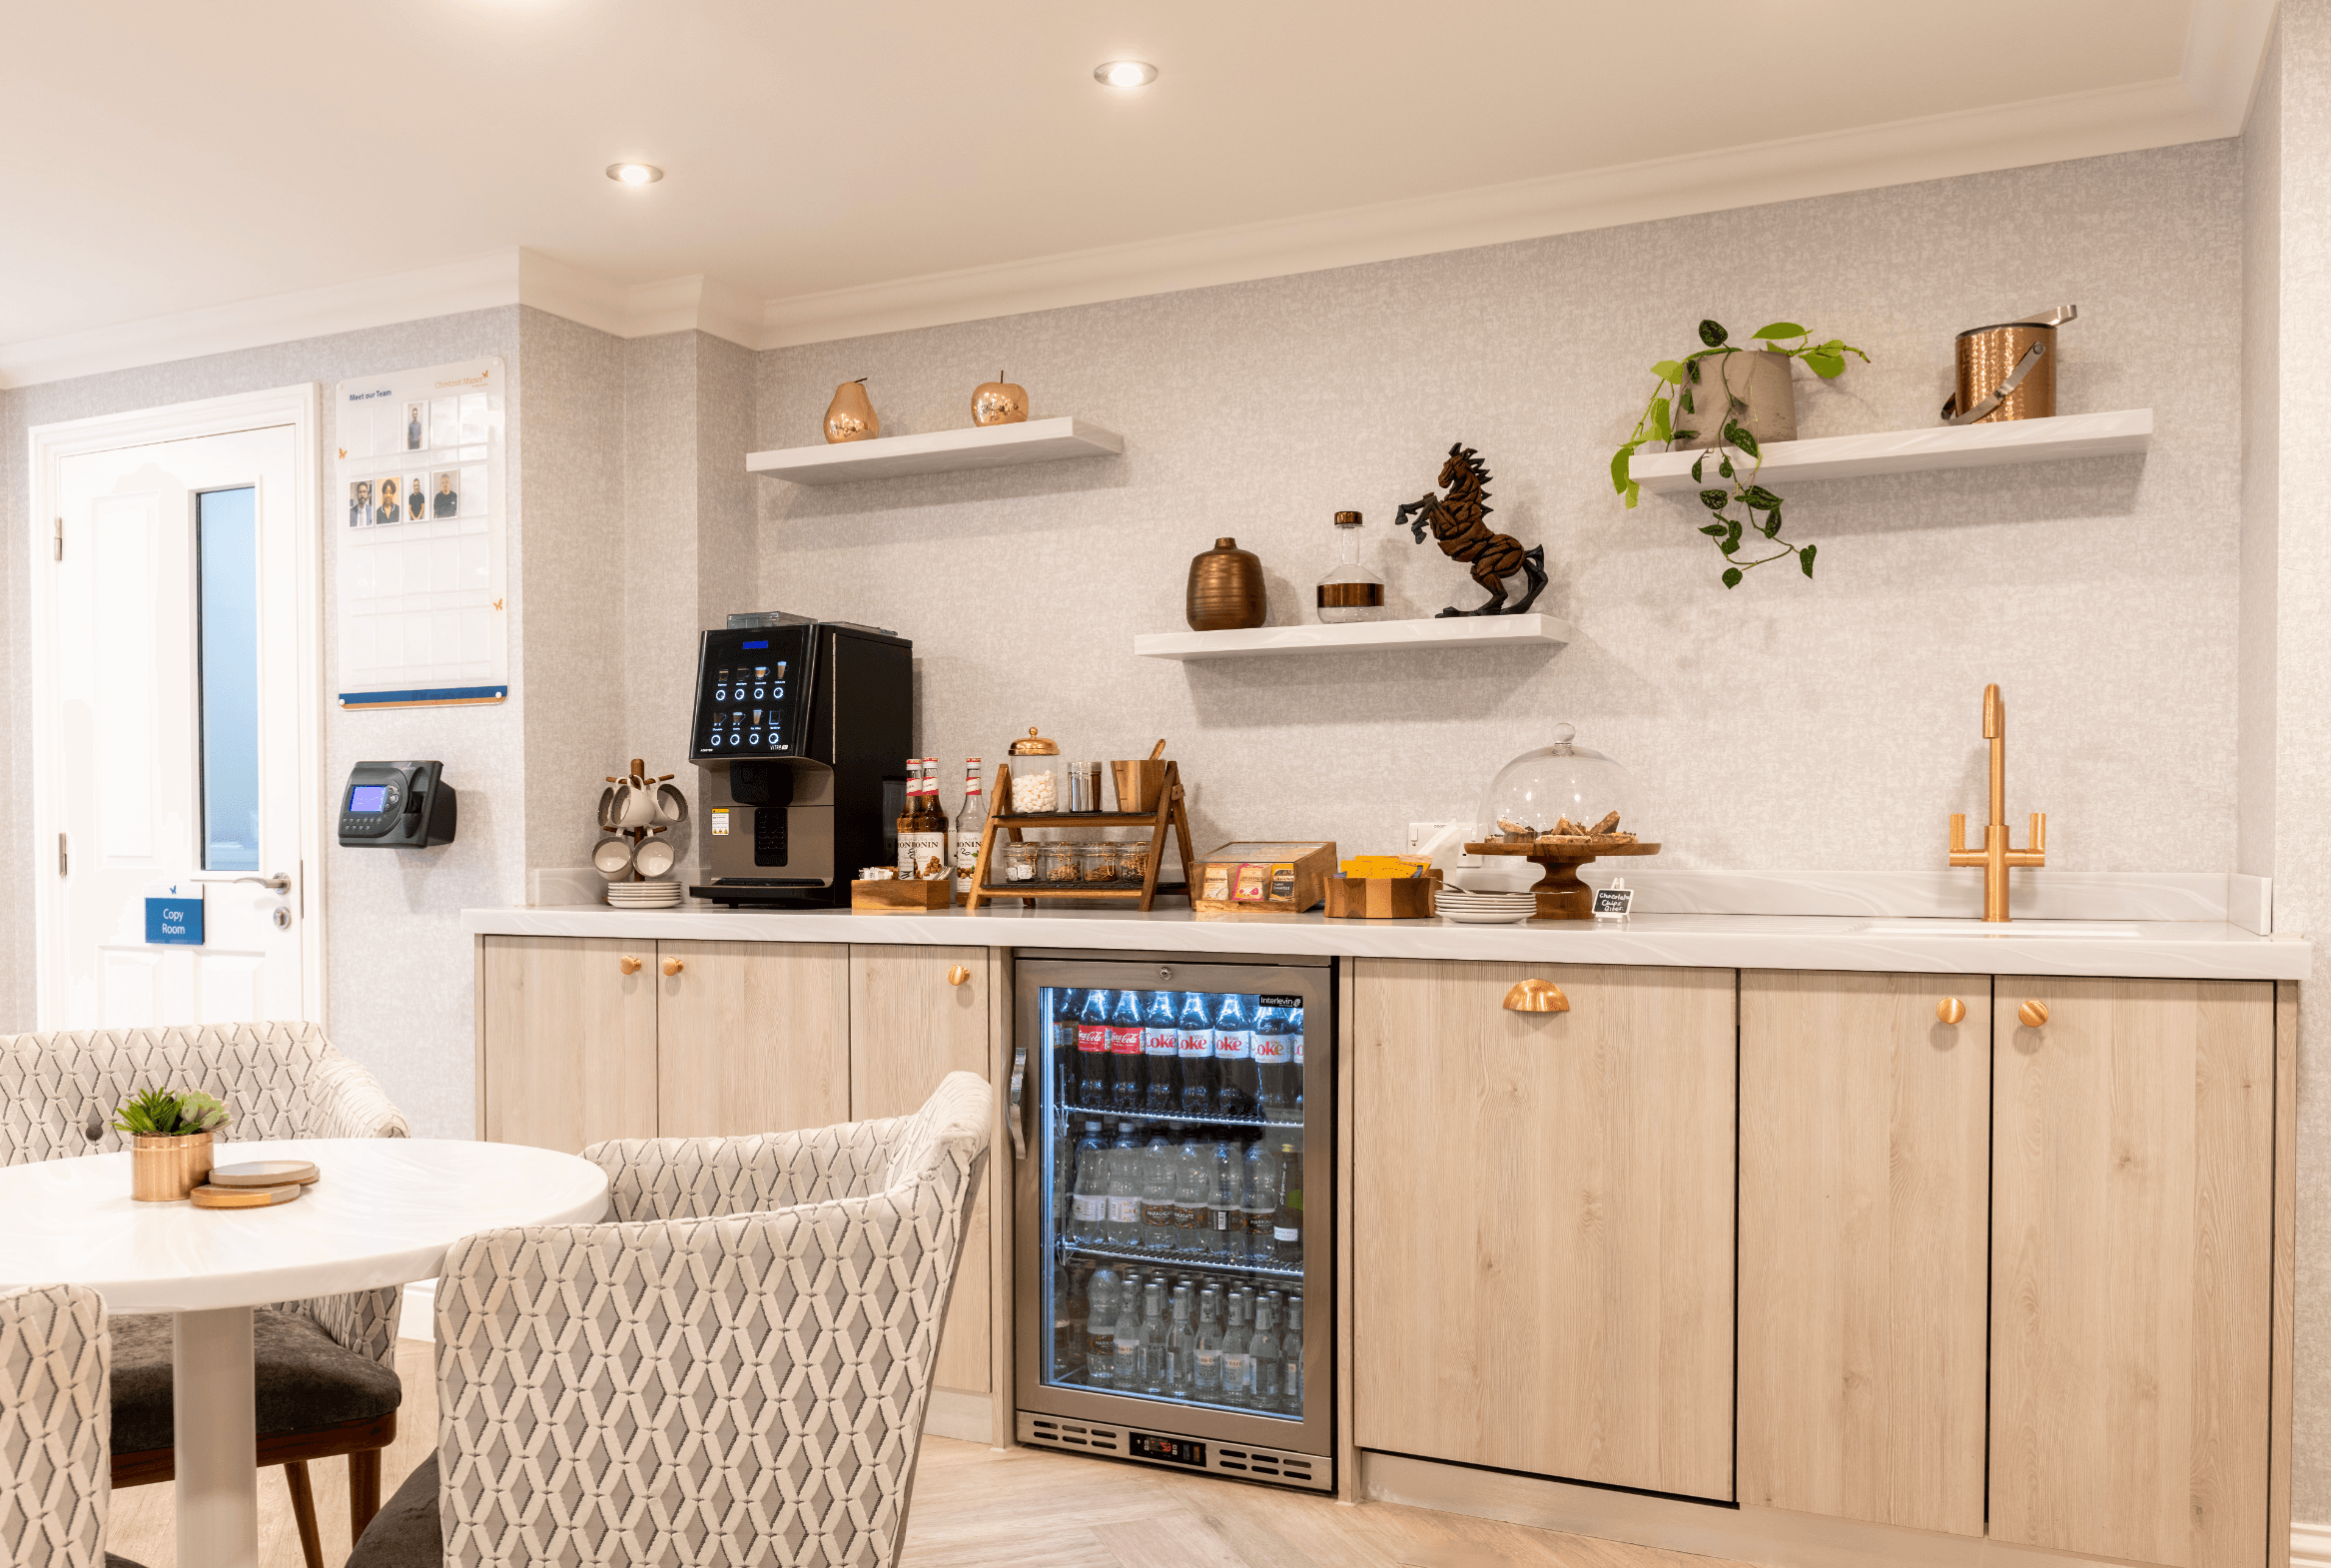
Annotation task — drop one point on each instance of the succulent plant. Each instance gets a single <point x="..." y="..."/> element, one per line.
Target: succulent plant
<point x="171" y="1113"/>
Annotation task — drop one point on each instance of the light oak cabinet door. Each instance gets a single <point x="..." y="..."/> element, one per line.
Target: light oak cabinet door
<point x="2131" y="1249"/>
<point x="1864" y="1126"/>
<point x="756" y="1037"/>
<point x="908" y="1028"/>
<point x="1543" y="1221"/>
<point x="568" y="1041"/>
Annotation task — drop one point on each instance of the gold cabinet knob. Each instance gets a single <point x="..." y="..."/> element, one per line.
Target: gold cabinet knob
<point x="1536" y="996"/>
<point x="1950" y="1010"/>
<point x="627" y="963"/>
<point x="958" y="975"/>
<point x="673" y="966"/>
<point x="2034" y="1014"/>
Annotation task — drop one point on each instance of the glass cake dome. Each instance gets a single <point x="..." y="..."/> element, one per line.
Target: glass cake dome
<point x="1563" y="782"/>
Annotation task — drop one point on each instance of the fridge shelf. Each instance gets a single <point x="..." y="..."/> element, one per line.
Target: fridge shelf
<point x="1187" y="1400"/>
<point x="1190" y="1263"/>
<point x="1073" y="1114"/>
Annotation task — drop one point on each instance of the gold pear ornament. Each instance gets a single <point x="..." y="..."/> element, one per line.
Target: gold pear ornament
<point x="999" y="402"/>
<point x="850" y="416"/>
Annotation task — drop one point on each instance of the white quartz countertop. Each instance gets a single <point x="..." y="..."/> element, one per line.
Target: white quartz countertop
<point x="2161" y="949"/>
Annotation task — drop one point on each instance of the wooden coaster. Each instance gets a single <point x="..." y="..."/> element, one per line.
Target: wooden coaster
<point x="264" y="1172"/>
<point x="243" y="1196"/>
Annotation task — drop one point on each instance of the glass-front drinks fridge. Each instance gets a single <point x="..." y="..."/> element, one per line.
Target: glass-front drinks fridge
<point x="1176" y="1213"/>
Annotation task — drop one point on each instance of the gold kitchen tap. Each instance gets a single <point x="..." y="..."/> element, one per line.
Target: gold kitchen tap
<point x="1994" y="856"/>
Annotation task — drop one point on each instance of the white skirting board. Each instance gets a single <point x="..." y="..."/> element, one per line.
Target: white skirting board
<point x="966" y="1417"/>
<point x="2310" y="1546"/>
<point x="417" y="1318"/>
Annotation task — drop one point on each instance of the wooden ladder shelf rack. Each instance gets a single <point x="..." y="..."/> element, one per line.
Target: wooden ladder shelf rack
<point x="1171" y="815"/>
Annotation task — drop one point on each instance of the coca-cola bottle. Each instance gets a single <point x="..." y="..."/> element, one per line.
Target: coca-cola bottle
<point x="1198" y="1056"/>
<point x="1274" y="1094"/>
<point x="1160" y="1054"/>
<point x="1093" y="1051"/>
<point x="1234" y="1059"/>
<point x="1065" y="1002"/>
<point x="1124" y="1051"/>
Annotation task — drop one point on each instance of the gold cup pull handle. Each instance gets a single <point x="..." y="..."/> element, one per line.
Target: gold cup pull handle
<point x="1536" y="996"/>
<point x="1950" y="1010"/>
<point x="2034" y="1014"/>
<point x="673" y="966"/>
<point x="958" y="975"/>
<point x="627" y="963"/>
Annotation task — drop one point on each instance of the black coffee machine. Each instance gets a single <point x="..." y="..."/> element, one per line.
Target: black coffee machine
<point x="803" y="729"/>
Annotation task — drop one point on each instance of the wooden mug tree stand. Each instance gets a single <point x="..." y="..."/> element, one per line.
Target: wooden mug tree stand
<point x="1561" y="896"/>
<point x="1004" y="827"/>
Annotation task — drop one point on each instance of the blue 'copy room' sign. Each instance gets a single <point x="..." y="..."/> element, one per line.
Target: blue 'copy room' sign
<point x="174" y="915"/>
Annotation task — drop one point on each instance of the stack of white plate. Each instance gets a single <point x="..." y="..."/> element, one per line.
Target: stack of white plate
<point x="643" y="895"/>
<point x="1485" y="908"/>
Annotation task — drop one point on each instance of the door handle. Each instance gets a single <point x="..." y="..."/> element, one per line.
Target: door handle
<point x="281" y="880"/>
<point x="672" y="966"/>
<point x="1019" y="1112"/>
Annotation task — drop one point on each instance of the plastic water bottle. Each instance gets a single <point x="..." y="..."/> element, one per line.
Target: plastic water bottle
<point x="1226" y="1237"/>
<point x="1205" y="1378"/>
<point x="1259" y="1204"/>
<point x="1234" y="1059"/>
<point x="1194" y="1195"/>
<point x="1196" y="1025"/>
<point x="1089" y="1206"/>
<point x="1101" y="1327"/>
<point x="1160" y="1056"/>
<point x="1124" y="1191"/>
<point x="1159" y="1231"/>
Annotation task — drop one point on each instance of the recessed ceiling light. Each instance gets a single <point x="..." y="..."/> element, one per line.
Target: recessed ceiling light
<point x="1124" y="73"/>
<point x="635" y="174"/>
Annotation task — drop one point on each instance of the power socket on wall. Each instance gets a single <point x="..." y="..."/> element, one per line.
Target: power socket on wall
<point x="1441" y="840"/>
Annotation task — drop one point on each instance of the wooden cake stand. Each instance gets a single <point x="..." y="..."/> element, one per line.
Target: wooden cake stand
<point x="1561" y="896"/>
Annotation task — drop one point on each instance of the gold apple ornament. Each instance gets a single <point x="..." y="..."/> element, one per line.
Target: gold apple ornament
<point x="850" y="418"/>
<point x="999" y="402"/>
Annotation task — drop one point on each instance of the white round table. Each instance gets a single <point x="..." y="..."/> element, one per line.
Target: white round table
<point x="384" y="1212"/>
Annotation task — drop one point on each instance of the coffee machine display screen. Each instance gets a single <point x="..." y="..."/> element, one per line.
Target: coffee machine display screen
<point x="752" y="693"/>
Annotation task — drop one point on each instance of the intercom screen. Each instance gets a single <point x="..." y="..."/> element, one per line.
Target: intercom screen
<point x="367" y="797"/>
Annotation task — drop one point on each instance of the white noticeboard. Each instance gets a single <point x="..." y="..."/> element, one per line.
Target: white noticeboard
<point x="421" y="589"/>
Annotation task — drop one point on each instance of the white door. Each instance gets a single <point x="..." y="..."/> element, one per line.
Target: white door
<point x="176" y="728"/>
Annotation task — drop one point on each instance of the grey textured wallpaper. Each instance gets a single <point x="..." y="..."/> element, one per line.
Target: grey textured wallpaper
<point x="1830" y="724"/>
<point x="397" y="971"/>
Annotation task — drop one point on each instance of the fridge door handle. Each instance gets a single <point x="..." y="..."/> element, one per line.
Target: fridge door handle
<point x="1019" y="1112"/>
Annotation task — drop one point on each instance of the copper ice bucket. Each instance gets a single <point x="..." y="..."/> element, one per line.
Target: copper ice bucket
<point x="2007" y="372"/>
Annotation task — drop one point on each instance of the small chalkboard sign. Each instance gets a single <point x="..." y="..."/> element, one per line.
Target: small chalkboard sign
<point x="1614" y="902"/>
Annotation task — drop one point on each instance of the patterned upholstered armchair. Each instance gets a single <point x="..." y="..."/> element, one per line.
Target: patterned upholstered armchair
<point x="734" y="1371"/>
<point x="326" y="1368"/>
<point x="55" y="1418"/>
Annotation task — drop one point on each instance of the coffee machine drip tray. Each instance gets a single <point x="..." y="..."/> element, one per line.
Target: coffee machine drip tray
<point x="758" y="889"/>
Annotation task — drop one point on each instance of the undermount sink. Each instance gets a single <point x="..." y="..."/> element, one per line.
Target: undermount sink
<point x="2085" y="930"/>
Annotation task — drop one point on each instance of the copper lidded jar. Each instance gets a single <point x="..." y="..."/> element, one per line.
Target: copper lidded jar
<point x="1036" y="776"/>
<point x="1225" y="589"/>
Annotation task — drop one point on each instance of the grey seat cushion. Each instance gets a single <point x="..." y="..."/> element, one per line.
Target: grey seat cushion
<point x="303" y="1378"/>
<point x="405" y="1533"/>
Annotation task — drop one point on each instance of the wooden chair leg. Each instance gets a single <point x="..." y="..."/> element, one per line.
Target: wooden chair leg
<point x="363" y="1491"/>
<point x="304" y="1512"/>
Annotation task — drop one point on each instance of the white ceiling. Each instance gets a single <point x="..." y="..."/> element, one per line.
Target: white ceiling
<point x="837" y="168"/>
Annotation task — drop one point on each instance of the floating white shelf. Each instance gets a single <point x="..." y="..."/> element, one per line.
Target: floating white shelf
<point x="937" y="451"/>
<point x="1455" y="631"/>
<point x="1908" y="451"/>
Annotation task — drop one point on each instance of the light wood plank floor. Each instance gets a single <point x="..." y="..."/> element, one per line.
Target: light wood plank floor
<point x="977" y="1508"/>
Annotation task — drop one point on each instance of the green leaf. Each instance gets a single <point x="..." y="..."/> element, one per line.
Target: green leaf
<point x="1738" y="435"/>
<point x="1619" y="461"/>
<point x="1723" y="467"/>
<point x="1686" y="405"/>
<point x="1825" y="365"/>
<point x="1659" y="428"/>
<point x="1696" y="465"/>
<point x="1772" y="527"/>
<point x="1712" y="335"/>
<point x="1713" y="530"/>
<point x="1714" y="500"/>
<point x="1779" y="329"/>
<point x="1805" y="558"/>
<point x="1692" y="369"/>
<point x="1731" y="536"/>
<point x="1732" y="576"/>
<point x="1633" y="490"/>
<point x="1759" y="499"/>
<point x="1684" y="435"/>
<point x="1669" y="371"/>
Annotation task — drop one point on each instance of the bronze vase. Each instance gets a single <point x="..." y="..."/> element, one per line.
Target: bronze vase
<point x="1225" y="589"/>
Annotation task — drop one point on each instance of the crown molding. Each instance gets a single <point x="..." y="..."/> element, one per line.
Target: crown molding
<point x="2079" y="124"/>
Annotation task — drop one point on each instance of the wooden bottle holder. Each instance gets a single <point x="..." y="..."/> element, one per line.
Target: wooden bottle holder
<point x="1561" y="896"/>
<point x="1004" y="827"/>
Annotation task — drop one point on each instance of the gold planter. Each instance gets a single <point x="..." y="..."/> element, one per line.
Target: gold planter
<point x="164" y="1169"/>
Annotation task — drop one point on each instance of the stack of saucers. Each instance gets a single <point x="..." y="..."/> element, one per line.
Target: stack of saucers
<point x="643" y="895"/>
<point x="1485" y="908"/>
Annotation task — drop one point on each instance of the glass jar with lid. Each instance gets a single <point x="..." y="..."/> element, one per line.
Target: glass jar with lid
<point x="1019" y="862"/>
<point x="1057" y="862"/>
<point x="1097" y="861"/>
<point x="1036" y="776"/>
<point x="1540" y="790"/>
<point x="1349" y="591"/>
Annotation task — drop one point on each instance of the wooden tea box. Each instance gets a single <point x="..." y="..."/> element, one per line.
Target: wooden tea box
<point x="1283" y="878"/>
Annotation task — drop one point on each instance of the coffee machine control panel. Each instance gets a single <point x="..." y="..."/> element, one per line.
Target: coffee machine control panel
<point x="752" y="693"/>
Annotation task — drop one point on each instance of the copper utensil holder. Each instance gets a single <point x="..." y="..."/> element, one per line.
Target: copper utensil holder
<point x="164" y="1169"/>
<point x="1137" y="783"/>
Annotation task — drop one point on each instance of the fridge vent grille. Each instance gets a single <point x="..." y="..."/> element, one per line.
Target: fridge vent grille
<point x="1266" y="1465"/>
<point x="1252" y="1462"/>
<point x="1078" y="1434"/>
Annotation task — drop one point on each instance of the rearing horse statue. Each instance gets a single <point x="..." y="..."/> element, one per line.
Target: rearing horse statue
<point x="1455" y="520"/>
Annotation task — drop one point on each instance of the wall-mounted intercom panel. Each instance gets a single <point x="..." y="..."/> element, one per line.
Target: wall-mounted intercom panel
<point x="397" y="805"/>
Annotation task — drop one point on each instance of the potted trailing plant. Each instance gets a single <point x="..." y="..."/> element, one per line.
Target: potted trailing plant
<point x="1716" y="404"/>
<point x="170" y="1142"/>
